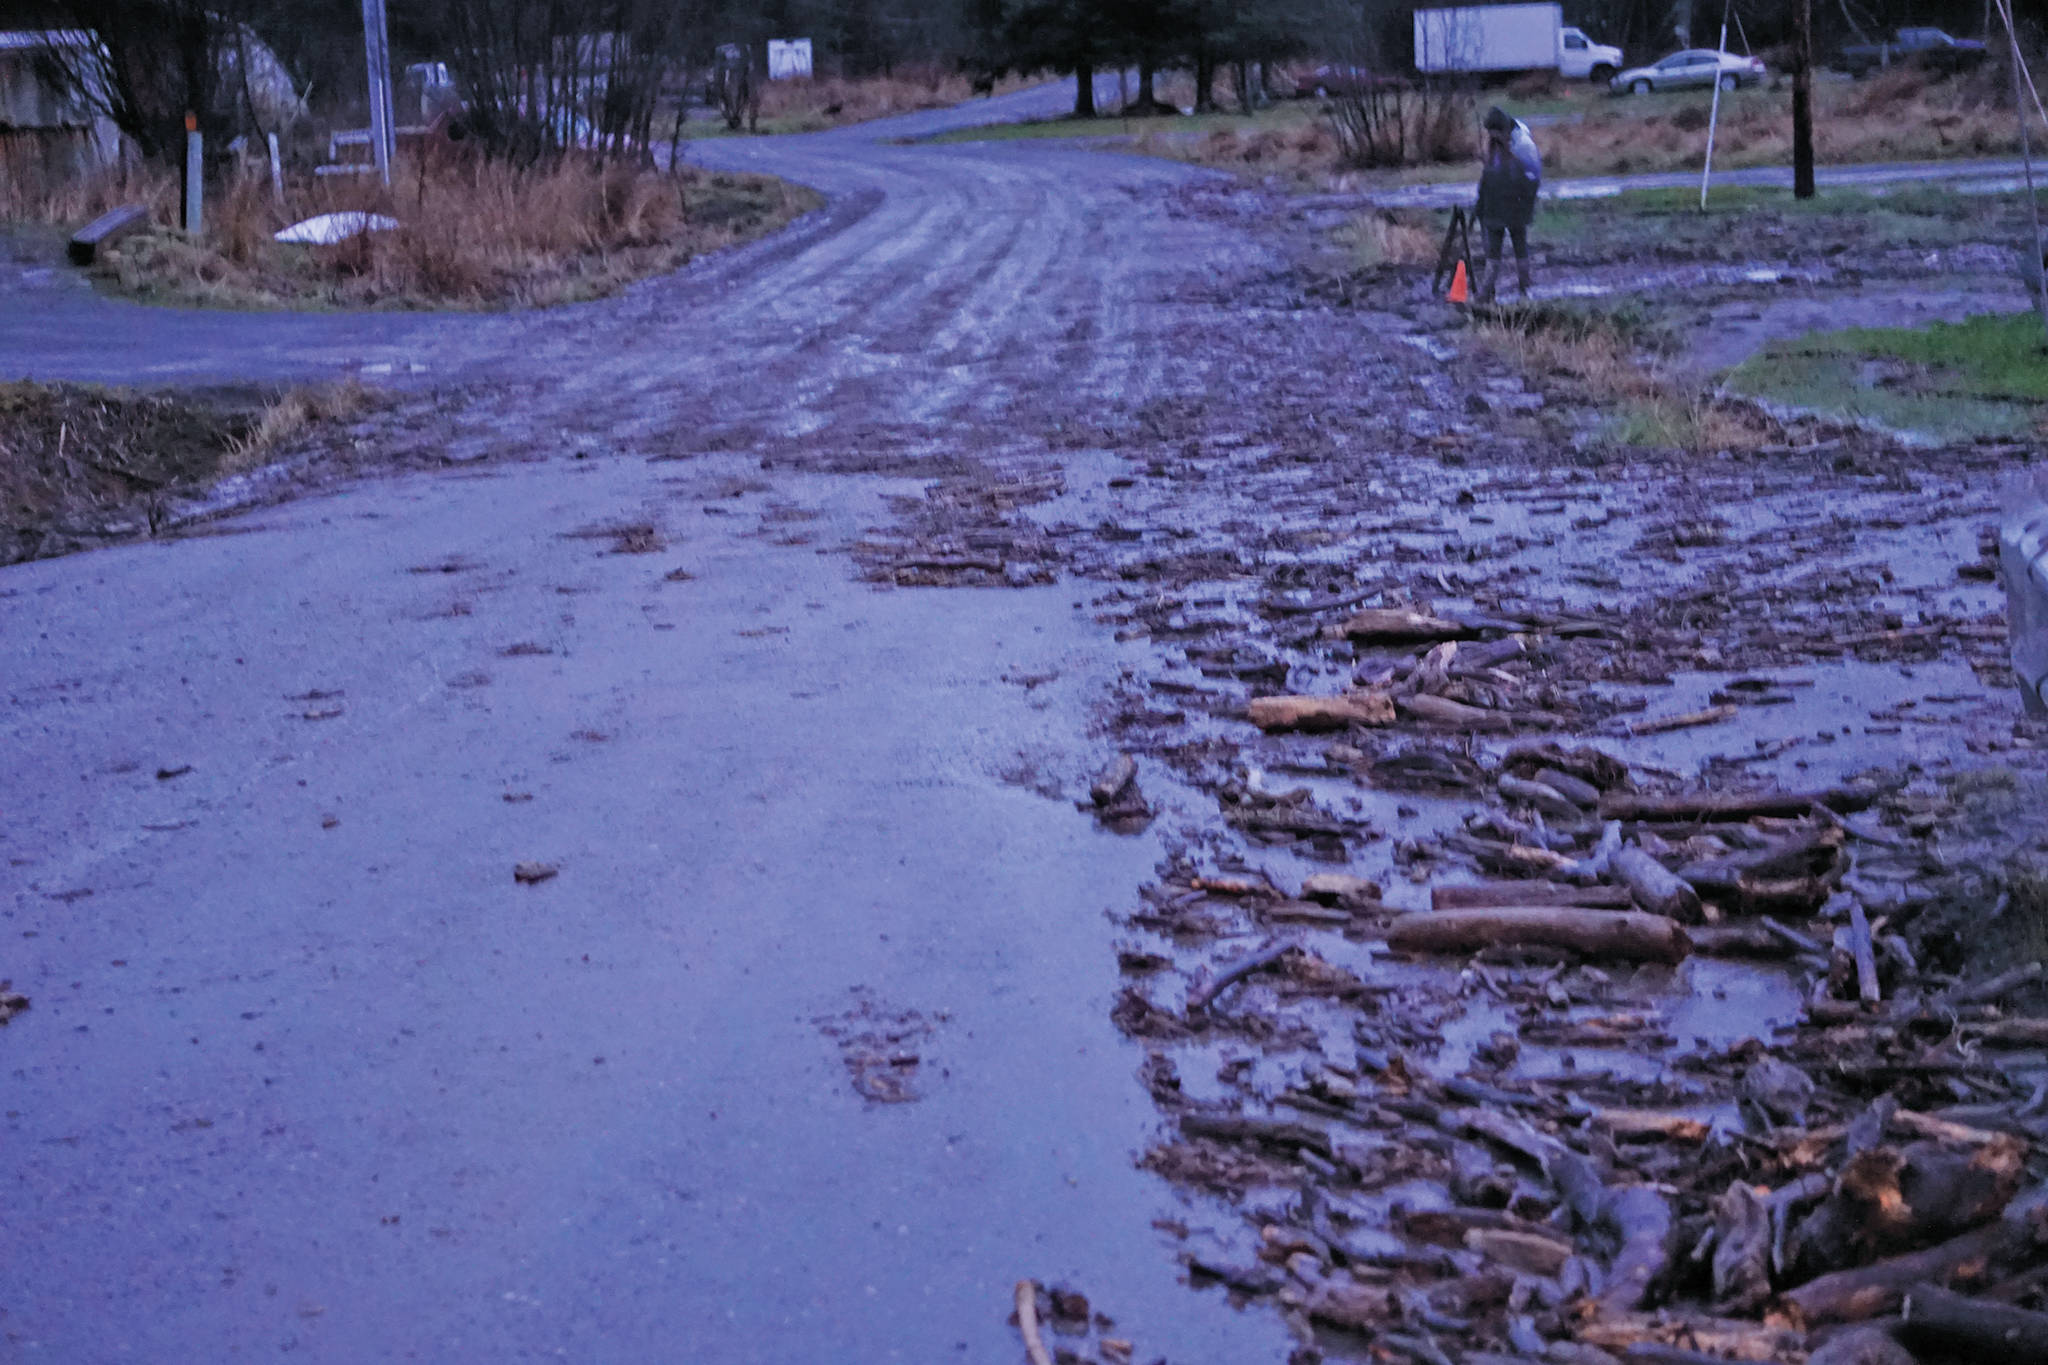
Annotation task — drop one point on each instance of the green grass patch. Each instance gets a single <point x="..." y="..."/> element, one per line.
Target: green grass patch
<point x="1743" y="221"/>
<point x="1984" y="376"/>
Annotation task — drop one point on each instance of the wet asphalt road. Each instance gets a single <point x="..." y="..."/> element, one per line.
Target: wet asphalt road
<point x="307" y="1075"/>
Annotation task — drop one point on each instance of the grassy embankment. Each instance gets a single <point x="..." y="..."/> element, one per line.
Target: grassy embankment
<point x="473" y="236"/>
<point x="1900" y="116"/>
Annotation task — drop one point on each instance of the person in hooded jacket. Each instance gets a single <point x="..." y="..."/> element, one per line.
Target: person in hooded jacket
<point x="1507" y="194"/>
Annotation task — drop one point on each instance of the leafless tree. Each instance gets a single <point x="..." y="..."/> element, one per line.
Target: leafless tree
<point x="543" y="77"/>
<point x="149" y="64"/>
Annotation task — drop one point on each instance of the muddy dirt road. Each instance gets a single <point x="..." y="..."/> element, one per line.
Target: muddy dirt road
<point x="306" y="1070"/>
<point x="772" y="619"/>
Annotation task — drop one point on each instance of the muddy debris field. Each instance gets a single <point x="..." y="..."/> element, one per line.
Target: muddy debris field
<point x="1561" y="955"/>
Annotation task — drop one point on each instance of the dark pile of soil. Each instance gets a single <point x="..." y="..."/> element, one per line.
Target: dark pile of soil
<point x="80" y="464"/>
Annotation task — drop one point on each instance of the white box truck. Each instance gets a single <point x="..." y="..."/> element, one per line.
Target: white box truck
<point x="1484" y="39"/>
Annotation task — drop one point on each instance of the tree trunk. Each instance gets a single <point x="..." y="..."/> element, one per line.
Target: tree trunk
<point x="1084" y="90"/>
<point x="1145" y="103"/>
<point x="1205" y="81"/>
<point x="1802" y="104"/>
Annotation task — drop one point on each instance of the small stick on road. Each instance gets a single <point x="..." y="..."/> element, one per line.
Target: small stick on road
<point x="1867" y="989"/>
<point x="1235" y="973"/>
<point x="1027" y="1323"/>
<point x="1713" y="715"/>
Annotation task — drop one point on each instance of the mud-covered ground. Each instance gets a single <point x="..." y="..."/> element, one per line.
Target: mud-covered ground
<point x="1401" y="621"/>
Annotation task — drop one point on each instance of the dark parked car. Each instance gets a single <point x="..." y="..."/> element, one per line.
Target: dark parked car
<point x="1923" y="47"/>
<point x="1326" y="81"/>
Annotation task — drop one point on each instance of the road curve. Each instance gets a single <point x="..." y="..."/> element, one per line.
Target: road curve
<point x="308" y="1075"/>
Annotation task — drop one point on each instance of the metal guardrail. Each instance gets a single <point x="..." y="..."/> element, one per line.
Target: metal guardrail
<point x="2023" y="556"/>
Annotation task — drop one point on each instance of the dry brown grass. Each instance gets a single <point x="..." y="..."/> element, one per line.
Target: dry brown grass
<point x="1899" y="116"/>
<point x="470" y="236"/>
<point x="76" y="201"/>
<point x="800" y="106"/>
<point x="296" y="412"/>
<point x="1386" y="237"/>
<point x="1608" y="359"/>
<point x="1300" y="152"/>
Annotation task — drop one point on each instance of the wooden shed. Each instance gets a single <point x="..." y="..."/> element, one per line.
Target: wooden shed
<point x="48" y="133"/>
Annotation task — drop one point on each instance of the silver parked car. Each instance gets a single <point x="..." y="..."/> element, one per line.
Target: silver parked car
<point x="1695" y="68"/>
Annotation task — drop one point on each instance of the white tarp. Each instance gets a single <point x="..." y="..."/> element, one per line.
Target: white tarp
<point x="330" y="228"/>
<point x="789" y="58"/>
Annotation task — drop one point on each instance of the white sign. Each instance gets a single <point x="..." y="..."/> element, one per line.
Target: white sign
<point x="789" y="58"/>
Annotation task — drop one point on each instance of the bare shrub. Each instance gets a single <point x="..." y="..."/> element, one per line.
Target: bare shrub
<point x="1401" y="125"/>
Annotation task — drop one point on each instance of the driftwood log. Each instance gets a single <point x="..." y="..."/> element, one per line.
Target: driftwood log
<point x="1987" y="1333"/>
<point x="1625" y="934"/>
<point x="1699" y="806"/>
<point x="1321" y="713"/>
<point x="1542" y="796"/>
<point x="1244" y="1128"/>
<point x="1717" y="1338"/>
<point x="1656" y="888"/>
<point x="1887" y="1200"/>
<point x="1397" y="626"/>
<point x="1880" y="1287"/>
<point x="1742" y="1250"/>
<point x="1494" y="894"/>
<point x="1435" y="710"/>
<point x="1861" y="1346"/>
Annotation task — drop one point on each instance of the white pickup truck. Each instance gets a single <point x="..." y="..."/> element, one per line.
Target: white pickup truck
<point x="1488" y="39"/>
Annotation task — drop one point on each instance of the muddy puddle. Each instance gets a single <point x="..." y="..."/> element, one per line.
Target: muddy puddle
<point x="1546" y="851"/>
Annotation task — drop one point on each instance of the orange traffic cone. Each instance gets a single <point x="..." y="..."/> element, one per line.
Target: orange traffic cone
<point x="1460" y="293"/>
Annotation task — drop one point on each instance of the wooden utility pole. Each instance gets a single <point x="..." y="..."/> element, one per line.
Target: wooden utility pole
<point x="2039" y="276"/>
<point x="377" y="57"/>
<point x="1802" y="104"/>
